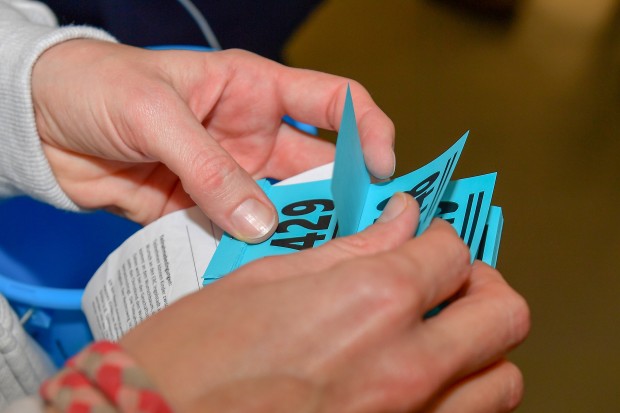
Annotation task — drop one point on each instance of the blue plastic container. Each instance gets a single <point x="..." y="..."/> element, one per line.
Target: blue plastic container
<point x="47" y="257"/>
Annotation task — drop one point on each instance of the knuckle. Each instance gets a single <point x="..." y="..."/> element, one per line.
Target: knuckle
<point x="514" y="387"/>
<point x="238" y="58"/>
<point x="403" y="379"/>
<point x="144" y="105"/>
<point x="144" y="100"/>
<point x="382" y="287"/>
<point x="453" y="244"/>
<point x="241" y="53"/>
<point x="214" y="170"/>
<point x="354" y="84"/>
<point x="513" y="310"/>
<point x="462" y="253"/>
<point x="520" y="318"/>
<point x="443" y="244"/>
<point x="355" y="245"/>
<point x="400" y="386"/>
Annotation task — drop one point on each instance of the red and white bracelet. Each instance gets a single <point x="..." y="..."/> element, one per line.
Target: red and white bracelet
<point x="101" y="379"/>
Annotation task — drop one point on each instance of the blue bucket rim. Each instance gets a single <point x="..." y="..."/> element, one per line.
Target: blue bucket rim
<point x="41" y="297"/>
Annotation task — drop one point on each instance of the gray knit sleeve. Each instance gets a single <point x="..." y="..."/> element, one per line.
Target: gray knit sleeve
<point x="30" y="404"/>
<point x="23" y="364"/>
<point x="27" y="29"/>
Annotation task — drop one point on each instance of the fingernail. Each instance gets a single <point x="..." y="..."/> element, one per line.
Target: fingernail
<point x="392" y="170"/>
<point x="253" y="221"/>
<point x="394" y="207"/>
<point x="393" y="163"/>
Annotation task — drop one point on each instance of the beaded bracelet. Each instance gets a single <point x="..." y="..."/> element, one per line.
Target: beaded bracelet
<point x="102" y="379"/>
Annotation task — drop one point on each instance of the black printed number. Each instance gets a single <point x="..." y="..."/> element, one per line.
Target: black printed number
<point x="304" y="208"/>
<point x="307" y="207"/>
<point x="299" y="243"/>
<point x="419" y="192"/>
<point x="322" y="223"/>
<point x="447" y="207"/>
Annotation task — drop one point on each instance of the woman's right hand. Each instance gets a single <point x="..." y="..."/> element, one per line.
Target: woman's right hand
<point x="341" y="328"/>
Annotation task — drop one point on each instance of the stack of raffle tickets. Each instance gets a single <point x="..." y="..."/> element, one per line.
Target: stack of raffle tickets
<point x="312" y="213"/>
<point x="183" y="251"/>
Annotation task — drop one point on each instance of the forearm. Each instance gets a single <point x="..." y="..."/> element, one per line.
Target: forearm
<point x="28" y="29"/>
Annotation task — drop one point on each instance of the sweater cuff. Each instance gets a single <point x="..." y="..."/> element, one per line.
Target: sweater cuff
<point x="24" y="169"/>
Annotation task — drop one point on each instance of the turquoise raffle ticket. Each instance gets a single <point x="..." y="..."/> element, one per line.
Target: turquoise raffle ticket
<point x="312" y="213"/>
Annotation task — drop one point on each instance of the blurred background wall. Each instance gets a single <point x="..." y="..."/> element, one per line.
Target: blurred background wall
<point x="539" y="88"/>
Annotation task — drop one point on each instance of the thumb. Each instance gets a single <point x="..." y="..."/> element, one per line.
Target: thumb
<point x="224" y="191"/>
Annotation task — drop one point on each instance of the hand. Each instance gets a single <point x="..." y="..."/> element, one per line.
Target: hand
<point x="341" y="328"/>
<point x="144" y="133"/>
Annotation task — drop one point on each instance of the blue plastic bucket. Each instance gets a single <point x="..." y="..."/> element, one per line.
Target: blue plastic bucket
<point x="47" y="257"/>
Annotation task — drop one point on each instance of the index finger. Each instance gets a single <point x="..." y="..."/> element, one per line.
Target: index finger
<point x="318" y="98"/>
